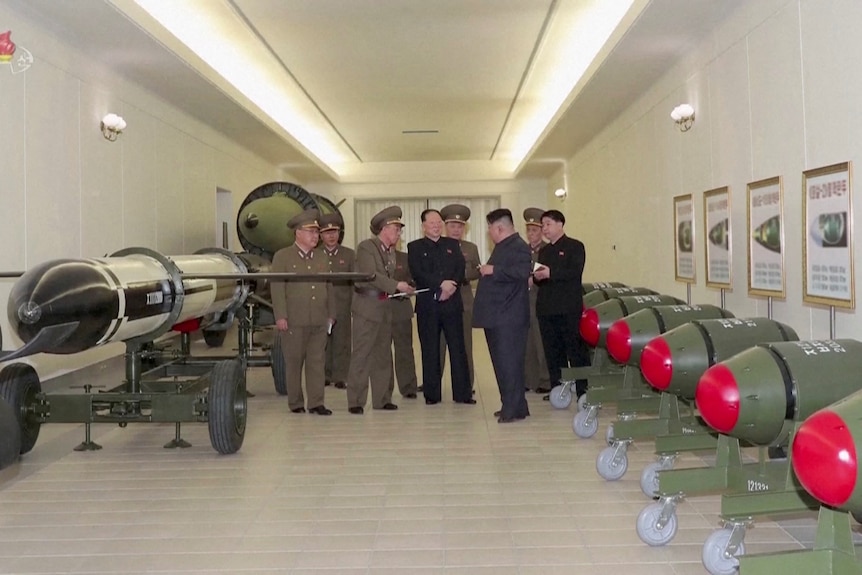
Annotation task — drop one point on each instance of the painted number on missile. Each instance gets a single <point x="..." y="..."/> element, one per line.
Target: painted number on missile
<point x="685" y="308"/>
<point x="647" y="298"/>
<point x="155" y="298"/>
<point x="816" y="347"/>
<point x="757" y="485"/>
<point x="734" y="322"/>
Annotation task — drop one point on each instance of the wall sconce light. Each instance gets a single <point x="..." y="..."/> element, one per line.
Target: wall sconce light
<point x="683" y="115"/>
<point x="560" y="193"/>
<point x="112" y="126"/>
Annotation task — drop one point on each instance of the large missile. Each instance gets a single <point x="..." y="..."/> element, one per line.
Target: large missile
<point x="758" y="393"/>
<point x="596" y="320"/>
<point x="597" y="296"/>
<point x="627" y="337"/>
<point x="825" y="456"/>
<point x="587" y="287"/>
<point x="71" y="305"/>
<point x="674" y="362"/>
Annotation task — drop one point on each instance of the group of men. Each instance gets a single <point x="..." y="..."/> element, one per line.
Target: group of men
<point x="528" y="301"/>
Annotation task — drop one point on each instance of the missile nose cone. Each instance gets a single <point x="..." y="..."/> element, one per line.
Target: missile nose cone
<point x="717" y="398"/>
<point x="619" y="341"/>
<point x="657" y="363"/>
<point x="590" y="326"/>
<point x="824" y="458"/>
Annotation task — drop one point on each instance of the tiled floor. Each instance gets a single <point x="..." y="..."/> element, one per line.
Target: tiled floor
<point x="425" y="489"/>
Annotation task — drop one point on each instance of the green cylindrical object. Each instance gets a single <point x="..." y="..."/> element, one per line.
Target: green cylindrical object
<point x="592" y="286"/>
<point x="752" y="395"/>
<point x="627" y="337"/>
<point x="596" y="297"/>
<point x="675" y="361"/>
<point x="595" y="321"/>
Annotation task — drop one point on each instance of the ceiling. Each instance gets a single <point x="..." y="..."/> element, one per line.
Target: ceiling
<point x="411" y="89"/>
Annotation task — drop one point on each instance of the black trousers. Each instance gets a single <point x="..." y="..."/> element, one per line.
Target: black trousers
<point x="564" y="347"/>
<point x="508" y="347"/>
<point x="429" y="325"/>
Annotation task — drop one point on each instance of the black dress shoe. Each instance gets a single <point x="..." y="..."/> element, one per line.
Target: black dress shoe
<point x="410" y="396"/>
<point x="340" y="385"/>
<point x="546" y="397"/>
<point x="543" y="390"/>
<point x="420" y="388"/>
<point x="431" y="401"/>
<point x="327" y="383"/>
<point x="298" y="410"/>
<point x="498" y="413"/>
<point x="470" y="401"/>
<point x="502" y="419"/>
<point x="389" y="407"/>
<point x="320" y="410"/>
<point x="356" y="410"/>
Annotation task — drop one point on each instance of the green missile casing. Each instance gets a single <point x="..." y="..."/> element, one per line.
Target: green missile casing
<point x="617" y="308"/>
<point x="597" y="296"/>
<point x="593" y="286"/>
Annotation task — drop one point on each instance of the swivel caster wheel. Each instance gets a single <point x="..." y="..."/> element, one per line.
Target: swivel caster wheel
<point x="649" y="476"/>
<point x="561" y="397"/>
<point x="650" y="531"/>
<point x="715" y="557"/>
<point x="609" y="434"/>
<point x="585" y="426"/>
<point x="612" y="463"/>
<point x="582" y="402"/>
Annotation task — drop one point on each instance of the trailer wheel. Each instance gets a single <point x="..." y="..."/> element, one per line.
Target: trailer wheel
<point x="19" y="385"/>
<point x="214" y="337"/>
<point x="228" y="407"/>
<point x="276" y="358"/>
<point x="10" y="436"/>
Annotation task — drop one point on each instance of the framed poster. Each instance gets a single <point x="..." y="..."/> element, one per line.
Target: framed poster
<point x="766" y="238"/>
<point x="827" y="244"/>
<point x="683" y="225"/>
<point x="716" y="222"/>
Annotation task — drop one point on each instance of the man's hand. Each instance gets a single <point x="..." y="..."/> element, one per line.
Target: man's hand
<point x="405" y="287"/>
<point x="447" y="290"/>
<point x="281" y="324"/>
<point x="542" y="273"/>
<point x="486" y="270"/>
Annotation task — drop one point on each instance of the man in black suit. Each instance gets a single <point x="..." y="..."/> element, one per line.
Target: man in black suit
<point x="502" y="308"/>
<point x="560" y="301"/>
<point x="437" y="264"/>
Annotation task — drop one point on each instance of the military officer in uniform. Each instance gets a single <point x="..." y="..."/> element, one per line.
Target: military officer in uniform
<point x="402" y="332"/>
<point x="437" y="265"/>
<point x="303" y="312"/>
<point x="341" y="259"/>
<point x="538" y="379"/>
<point x="372" y="315"/>
<point x="455" y="218"/>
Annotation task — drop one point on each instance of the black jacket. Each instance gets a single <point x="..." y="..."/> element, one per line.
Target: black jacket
<point x="430" y="263"/>
<point x="562" y="292"/>
<point x="502" y="298"/>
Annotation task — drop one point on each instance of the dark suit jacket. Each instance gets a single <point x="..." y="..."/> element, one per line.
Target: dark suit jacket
<point x="502" y="298"/>
<point x="430" y="263"/>
<point x="562" y="293"/>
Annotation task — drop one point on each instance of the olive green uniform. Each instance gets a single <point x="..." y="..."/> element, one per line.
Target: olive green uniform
<point x="338" y="345"/>
<point x="372" y="327"/>
<point x="307" y="306"/>
<point x="536" y="364"/>
<point x="471" y="273"/>
<point x="402" y="331"/>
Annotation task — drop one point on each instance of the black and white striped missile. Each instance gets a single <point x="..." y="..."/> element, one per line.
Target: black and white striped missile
<point x="71" y="305"/>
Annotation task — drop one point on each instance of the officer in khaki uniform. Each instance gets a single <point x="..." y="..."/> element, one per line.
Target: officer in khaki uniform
<point x="341" y="259"/>
<point x="538" y="379"/>
<point x="455" y="218"/>
<point x="303" y="312"/>
<point x="402" y="332"/>
<point x="372" y="315"/>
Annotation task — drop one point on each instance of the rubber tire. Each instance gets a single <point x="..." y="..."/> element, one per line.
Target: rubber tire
<point x="604" y="467"/>
<point x="582" y="428"/>
<point x="19" y="385"/>
<point x="713" y="554"/>
<point x="10" y="436"/>
<point x="561" y="399"/>
<point x="582" y="402"/>
<point x="214" y="337"/>
<point x="649" y="479"/>
<point x="646" y="526"/>
<point x="276" y="360"/>
<point x="228" y="407"/>
<point x="609" y="434"/>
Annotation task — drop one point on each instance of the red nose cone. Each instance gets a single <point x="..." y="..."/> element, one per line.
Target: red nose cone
<point x="824" y="458"/>
<point x="717" y="397"/>
<point x="619" y="341"/>
<point x="657" y="363"/>
<point x="590" y="327"/>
